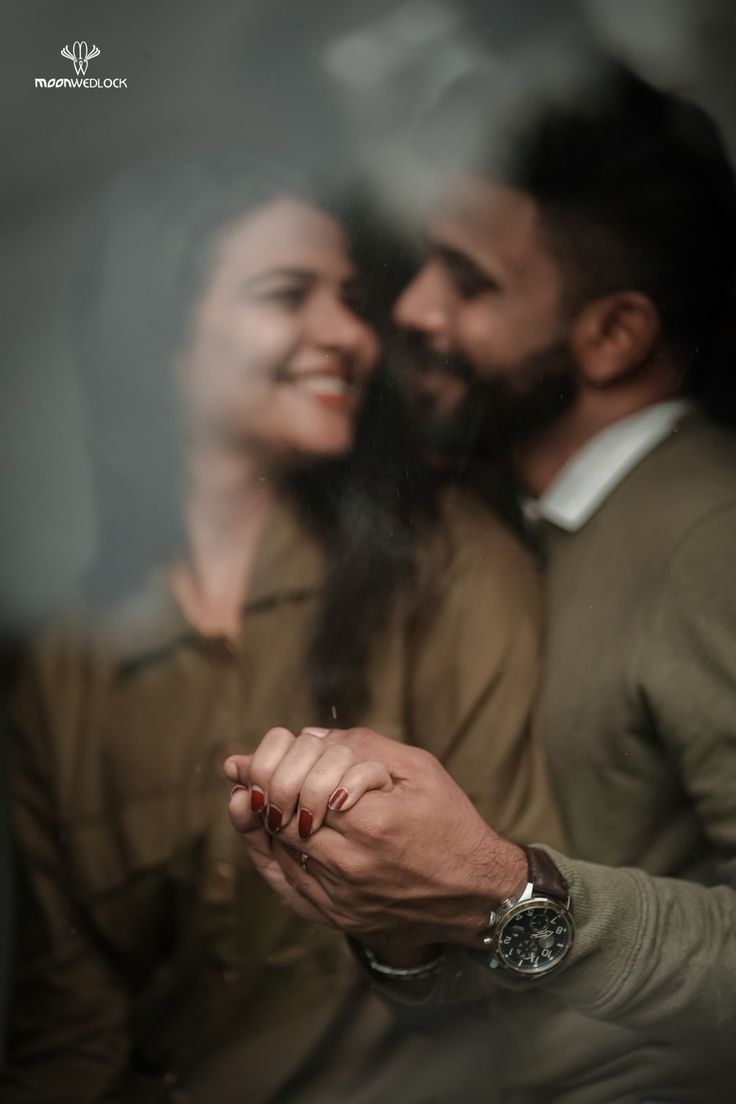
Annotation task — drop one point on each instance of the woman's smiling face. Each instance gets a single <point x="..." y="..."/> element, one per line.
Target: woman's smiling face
<point x="278" y="356"/>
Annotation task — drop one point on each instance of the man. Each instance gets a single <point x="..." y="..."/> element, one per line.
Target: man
<point x="579" y="295"/>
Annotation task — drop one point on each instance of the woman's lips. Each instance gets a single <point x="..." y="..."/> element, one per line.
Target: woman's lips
<point x="327" y="389"/>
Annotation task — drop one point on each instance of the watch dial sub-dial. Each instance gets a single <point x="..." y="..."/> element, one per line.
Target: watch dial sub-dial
<point x="534" y="938"/>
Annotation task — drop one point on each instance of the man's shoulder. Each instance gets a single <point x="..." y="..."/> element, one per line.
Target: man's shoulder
<point x="697" y="460"/>
<point x="690" y="476"/>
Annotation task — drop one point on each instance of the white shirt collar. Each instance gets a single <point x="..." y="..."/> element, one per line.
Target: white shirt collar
<point x="596" y="470"/>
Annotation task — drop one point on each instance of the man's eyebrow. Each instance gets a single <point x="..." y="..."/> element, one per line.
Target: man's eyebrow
<point x="454" y="257"/>
<point x="463" y="266"/>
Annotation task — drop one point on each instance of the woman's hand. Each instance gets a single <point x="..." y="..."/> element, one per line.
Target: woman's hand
<point x="259" y="846"/>
<point x="300" y="776"/>
<point x="295" y="777"/>
<point x="410" y="866"/>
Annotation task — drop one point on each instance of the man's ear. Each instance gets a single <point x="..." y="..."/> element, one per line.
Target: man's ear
<point x="614" y="335"/>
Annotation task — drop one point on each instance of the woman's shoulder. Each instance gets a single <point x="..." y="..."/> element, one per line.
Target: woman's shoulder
<point x="473" y="557"/>
<point x="86" y="639"/>
<point x="59" y="642"/>
<point x="473" y="530"/>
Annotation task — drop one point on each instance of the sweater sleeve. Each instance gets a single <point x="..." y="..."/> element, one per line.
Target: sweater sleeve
<point x="661" y="952"/>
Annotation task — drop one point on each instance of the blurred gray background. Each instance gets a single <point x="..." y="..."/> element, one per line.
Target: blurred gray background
<point x="328" y="79"/>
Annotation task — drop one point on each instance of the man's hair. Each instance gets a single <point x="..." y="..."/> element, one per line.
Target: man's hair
<point x="635" y="191"/>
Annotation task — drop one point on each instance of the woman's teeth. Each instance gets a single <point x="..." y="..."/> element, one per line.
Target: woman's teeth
<point x="328" y="385"/>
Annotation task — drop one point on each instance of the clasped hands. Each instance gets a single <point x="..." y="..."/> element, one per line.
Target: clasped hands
<point x="370" y="836"/>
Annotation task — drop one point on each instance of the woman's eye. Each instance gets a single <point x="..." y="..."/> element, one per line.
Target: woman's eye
<point x="291" y="297"/>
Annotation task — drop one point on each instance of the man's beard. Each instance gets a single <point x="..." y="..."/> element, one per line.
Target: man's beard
<point x="494" y="416"/>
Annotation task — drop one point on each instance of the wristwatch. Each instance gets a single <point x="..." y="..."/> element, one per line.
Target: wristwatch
<point x="530" y="935"/>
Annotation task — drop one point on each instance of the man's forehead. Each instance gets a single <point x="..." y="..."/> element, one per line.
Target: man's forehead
<point x="474" y="212"/>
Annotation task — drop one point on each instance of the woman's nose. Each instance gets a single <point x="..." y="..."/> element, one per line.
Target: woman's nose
<point x="336" y="326"/>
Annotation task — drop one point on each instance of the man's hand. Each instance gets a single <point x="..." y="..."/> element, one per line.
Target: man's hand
<point x="410" y="865"/>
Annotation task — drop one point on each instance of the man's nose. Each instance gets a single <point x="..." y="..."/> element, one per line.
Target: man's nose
<point x="423" y="305"/>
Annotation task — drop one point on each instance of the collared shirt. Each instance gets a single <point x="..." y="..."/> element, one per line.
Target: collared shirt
<point x="587" y="480"/>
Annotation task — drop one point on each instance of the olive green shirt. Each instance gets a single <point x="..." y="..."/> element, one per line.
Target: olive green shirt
<point x="154" y="962"/>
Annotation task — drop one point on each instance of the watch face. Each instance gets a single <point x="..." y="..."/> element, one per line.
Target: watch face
<point x="534" y="937"/>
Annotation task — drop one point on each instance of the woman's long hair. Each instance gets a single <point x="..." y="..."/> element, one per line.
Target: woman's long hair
<point x="145" y="265"/>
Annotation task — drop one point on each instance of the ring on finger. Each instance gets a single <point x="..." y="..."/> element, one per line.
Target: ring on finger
<point x="304" y="862"/>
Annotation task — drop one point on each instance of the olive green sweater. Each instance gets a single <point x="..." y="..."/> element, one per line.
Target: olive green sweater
<point x="638" y="718"/>
<point x="638" y="715"/>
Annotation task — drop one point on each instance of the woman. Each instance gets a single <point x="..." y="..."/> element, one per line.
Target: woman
<point x="273" y="559"/>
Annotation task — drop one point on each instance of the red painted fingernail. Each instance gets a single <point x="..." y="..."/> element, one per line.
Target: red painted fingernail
<point x="305" y="823"/>
<point x="237" y="788"/>
<point x="257" y="799"/>
<point x="274" y="818"/>
<point x="338" y="799"/>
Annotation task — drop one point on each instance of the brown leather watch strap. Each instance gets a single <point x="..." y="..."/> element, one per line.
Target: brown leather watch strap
<point x="544" y="875"/>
